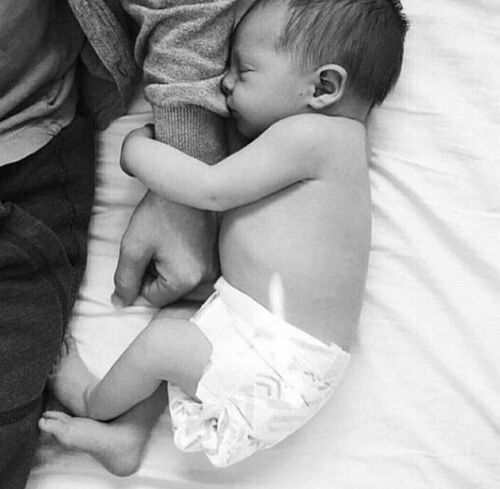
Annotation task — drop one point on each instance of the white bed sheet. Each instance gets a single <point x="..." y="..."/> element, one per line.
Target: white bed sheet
<point x="419" y="407"/>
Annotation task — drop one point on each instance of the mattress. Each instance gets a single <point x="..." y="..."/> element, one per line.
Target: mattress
<point x="419" y="405"/>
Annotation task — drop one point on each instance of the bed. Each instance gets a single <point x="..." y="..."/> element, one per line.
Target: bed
<point x="420" y="404"/>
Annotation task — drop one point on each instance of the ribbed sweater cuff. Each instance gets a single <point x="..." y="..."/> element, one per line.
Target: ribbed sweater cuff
<point x="192" y="129"/>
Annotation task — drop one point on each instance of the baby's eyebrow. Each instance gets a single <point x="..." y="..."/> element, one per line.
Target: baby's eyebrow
<point x="238" y="58"/>
<point x="243" y="59"/>
<point x="240" y="61"/>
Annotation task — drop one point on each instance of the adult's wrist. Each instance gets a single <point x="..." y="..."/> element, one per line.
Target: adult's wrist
<point x="192" y="129"/>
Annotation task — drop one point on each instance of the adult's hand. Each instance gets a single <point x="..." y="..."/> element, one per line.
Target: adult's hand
<point x="166" y="251"/>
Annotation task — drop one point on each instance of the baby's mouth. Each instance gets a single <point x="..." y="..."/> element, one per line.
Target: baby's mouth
<point x="230" y="108"/>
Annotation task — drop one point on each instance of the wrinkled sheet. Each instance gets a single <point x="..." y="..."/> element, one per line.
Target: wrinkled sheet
<point x="419" y="406"/>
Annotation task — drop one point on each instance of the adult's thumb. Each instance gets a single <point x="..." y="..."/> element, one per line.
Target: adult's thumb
<point x="129" y="276"/>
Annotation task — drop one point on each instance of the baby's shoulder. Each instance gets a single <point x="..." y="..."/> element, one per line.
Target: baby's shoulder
<point x="332" y="146"/>
<point x="321" y="134"/>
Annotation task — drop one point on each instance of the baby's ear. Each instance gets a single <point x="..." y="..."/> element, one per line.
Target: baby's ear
<point x="330" y="86"/>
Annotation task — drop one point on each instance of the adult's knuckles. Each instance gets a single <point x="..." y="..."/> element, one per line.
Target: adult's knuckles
<point x="181" y="279"/>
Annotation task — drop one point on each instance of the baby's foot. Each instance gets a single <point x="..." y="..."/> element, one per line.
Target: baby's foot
<point x="71" y="379"/>
<point x="115" y="445"/>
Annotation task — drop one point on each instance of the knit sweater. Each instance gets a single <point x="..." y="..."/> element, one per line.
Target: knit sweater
<point x="180" y="46"/>
<point x="39" y="44"/>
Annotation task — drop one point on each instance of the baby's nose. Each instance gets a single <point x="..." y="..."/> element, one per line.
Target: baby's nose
<point x="227" y="84"/>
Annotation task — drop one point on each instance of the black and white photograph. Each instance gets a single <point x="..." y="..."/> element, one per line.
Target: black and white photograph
<point x="249" y="244"/>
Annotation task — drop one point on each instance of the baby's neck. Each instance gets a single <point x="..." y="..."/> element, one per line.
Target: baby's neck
<point x="350" y="109"/>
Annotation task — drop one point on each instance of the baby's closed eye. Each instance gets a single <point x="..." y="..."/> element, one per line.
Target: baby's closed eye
<point x="242" y="69"/>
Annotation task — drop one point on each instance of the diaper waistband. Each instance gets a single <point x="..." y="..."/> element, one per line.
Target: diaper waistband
<point x="257" y="321"/>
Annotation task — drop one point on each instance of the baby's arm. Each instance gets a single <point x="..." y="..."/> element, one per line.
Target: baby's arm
<point x="281" y="156"/>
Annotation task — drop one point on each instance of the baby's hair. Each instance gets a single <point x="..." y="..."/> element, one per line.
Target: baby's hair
<point x="365" y="37"/>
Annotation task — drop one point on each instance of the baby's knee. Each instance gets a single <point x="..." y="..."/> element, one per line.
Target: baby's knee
<point x="179" y="350"/>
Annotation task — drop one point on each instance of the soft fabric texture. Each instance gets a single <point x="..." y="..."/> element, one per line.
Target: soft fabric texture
<point x="418" y="407"/>
<point x="45" y="210"/>
<point x="178" y="47"/>
<point x="265" y="380"/>
<point x="37" y="62"/>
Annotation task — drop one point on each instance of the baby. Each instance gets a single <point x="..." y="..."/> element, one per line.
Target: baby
<point x="269" y="347"/>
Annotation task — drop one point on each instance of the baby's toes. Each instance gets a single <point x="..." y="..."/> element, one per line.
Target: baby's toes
<point x="55" y="423"/>
<point x="56" y="415"/>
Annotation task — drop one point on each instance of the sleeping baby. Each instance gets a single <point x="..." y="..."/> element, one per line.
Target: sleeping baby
<point x="270" y="346"/>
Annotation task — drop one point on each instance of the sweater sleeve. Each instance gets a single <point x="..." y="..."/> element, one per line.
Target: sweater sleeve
<point x="182" y="46"/>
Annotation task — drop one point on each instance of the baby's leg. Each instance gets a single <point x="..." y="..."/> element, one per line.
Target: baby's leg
<point x="118" y="445"/>
<point x="167" y="349"/>
<point x="167" y="346"/>
<point x="70" y="377"/>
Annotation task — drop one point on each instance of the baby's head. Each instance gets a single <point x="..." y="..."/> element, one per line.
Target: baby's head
<point x="335" y="57"/>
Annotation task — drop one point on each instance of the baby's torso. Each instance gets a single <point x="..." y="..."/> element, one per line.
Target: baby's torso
<point x="302" y="253"/>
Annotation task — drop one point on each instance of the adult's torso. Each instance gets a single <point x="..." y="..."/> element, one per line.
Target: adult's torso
<point x="39" y="43"/>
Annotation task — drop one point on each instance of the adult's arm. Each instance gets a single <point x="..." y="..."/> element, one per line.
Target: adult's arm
<point x="182" y="47"/>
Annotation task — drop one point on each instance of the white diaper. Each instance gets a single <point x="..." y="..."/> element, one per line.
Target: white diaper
<point x="265" y="380"/>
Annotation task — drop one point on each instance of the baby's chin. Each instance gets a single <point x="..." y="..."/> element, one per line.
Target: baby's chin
<point x="249" y="131"/>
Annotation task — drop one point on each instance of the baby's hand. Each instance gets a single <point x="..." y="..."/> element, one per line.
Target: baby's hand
<point x="147" y="131"/>
<point x="132" y="143"/>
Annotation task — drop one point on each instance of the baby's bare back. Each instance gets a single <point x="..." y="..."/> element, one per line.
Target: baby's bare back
<point x="303" y="252"/>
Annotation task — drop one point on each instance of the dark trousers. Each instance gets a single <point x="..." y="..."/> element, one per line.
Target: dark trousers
<point x="45" y="206"/>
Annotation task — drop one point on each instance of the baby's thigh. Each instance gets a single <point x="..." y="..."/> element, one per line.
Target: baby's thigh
<point x="177" y="350"/>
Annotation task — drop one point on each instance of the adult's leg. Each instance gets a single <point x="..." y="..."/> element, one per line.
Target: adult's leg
<point x="45" y="205"/>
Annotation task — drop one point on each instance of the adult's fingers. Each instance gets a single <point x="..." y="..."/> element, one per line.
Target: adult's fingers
<point x="129" y="274"/>
<point x="159" y="291"/>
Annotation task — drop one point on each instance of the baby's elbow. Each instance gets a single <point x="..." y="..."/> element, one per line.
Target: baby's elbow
<point x="214" y="202"/>
<point x="212" y="196"/>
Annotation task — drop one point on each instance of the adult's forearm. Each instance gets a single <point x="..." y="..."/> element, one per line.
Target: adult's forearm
<point x="182" y="47"/>
<point x="192" y="129"/>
